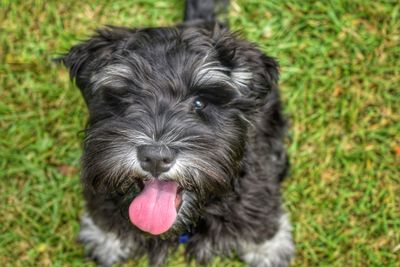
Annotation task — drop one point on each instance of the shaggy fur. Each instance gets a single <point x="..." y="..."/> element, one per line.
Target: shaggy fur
<point x="212" y="100"/>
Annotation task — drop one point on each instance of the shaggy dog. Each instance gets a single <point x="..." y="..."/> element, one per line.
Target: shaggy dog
<point x="184" y="141"/>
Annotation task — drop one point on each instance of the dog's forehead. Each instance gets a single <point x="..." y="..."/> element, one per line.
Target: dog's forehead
<point x="175" y="61"/>
<point x="199" y="74"/>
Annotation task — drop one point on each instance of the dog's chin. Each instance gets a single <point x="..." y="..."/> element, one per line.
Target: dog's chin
<point x="183" y="223"/>
<point x="178" y="227"/>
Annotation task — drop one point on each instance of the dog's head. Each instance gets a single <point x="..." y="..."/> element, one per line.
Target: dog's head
<point x="169" y="112"/>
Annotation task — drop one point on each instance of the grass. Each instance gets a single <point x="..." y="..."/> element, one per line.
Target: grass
<point x="340" y="86"/>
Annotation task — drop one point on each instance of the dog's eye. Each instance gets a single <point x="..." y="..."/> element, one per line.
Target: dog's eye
<point x="198" y="104"/>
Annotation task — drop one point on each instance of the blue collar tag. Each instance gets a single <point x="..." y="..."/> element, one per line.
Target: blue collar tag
<point x="183" y="238"/>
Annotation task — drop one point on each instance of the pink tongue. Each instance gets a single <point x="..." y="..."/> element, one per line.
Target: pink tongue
<point x="153" y="210"/>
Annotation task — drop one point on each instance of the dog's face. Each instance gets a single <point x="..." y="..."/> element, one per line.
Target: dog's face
<point x="169" y="115"/>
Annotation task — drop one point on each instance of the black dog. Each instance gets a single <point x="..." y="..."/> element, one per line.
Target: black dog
<point x="185" y="136"/>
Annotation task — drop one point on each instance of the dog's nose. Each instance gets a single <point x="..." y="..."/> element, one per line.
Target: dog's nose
<point x="155" y="159"/>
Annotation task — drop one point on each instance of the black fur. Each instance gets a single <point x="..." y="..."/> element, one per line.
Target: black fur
<point x="205" y="10"/>
<point x="139" y="86"/>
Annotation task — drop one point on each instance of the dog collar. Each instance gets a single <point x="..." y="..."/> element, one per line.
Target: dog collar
<point x="183" y="238"/>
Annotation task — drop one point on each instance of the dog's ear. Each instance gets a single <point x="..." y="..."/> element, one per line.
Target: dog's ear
<point x="255" y="73"/>
<point x="85" y="58"/>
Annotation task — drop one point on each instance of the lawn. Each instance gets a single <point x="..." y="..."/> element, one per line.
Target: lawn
<point x="340" y="81"/>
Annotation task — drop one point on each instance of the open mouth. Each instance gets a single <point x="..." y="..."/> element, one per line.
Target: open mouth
<point x="156" y="207"/>
<point x="178" y="200"/>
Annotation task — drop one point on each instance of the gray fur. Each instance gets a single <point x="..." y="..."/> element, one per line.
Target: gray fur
<point x="275" y="252"/>
<point x="105" y="247"/>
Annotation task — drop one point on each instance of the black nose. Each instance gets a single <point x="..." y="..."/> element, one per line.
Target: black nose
<point x="155" y="159"/>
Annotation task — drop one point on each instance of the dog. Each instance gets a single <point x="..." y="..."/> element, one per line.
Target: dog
<point x="185" y="140"/>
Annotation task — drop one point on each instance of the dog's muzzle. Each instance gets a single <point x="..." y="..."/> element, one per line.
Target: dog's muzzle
<point x="156" y="159"/>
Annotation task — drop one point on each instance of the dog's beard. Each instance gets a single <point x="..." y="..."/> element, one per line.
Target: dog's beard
<point x="111" y="168"/>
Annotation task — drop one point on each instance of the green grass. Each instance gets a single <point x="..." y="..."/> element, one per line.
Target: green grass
<point x="340" y="84"/>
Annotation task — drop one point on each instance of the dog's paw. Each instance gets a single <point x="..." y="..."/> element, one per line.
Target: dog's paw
<point x="275" y="252"/>
<point x="104" y="248"/>
<point x="202" y="251"/>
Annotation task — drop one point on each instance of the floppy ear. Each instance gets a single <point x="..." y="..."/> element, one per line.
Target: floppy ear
<point x="84" y="59"/>
<point x="255" y="73"/>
